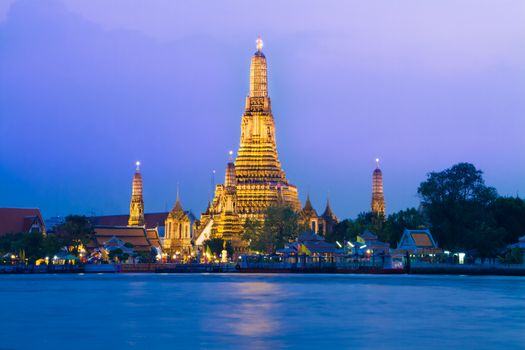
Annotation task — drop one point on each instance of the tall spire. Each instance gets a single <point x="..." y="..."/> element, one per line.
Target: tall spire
<point x="258" y="72"/>
<point x="378" y="196"/>
<point x="308" y="204"/>
<point x="136" y="207"/>
<point x="229" y="177"/>
<point x="328" y="209"/>
<point x="177" y="206"/>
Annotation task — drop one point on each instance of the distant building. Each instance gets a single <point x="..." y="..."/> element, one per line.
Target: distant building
<point x="142" y="240"/>
<point x="373" y="243"/>
<point x="309" y="243"/>
<point x="136" y="207"/>
<point x="151" y="221"/>
<point x="317" y="224"/>
<point x="144" y="231"/>
<point x="308" y="216"/>
<point x="418" y="242"/>
<point x="180" y="226"/>
<point x="329" y="220"/>
<point x="378" y="196"/>
<point x="16" y="220"/>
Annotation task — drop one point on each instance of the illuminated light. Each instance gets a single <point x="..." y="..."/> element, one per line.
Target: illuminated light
<point x="339" y="244"/>
<point x="446" y="252"/>
<point x="362" y="247"/>
<point x="350" y="244"/>
<point x="461" y="258"/>
<point x="231" y="152"/>
<point x="259" y="43"/>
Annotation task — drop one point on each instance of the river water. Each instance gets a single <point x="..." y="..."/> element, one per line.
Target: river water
<point x="238" y="311"/>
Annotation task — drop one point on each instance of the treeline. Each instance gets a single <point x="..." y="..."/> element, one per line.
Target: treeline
<point x="462" y="212"/>
<point x="77" y="231"/>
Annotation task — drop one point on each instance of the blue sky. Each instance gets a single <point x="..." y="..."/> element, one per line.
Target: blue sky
<point x="88" y="87"/>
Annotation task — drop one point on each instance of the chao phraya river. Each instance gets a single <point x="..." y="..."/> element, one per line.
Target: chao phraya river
<point x="237" y="311"/>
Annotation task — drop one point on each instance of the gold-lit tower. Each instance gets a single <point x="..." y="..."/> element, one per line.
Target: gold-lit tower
<point x="227" y="222"/>
<point x="378" y="196"/>
<point x="260" y="181"/>
<point x="136" y="207"/>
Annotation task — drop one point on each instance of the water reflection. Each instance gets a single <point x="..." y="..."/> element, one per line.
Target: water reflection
<point x="261" y="311"/>
<point x="249" y="310"/>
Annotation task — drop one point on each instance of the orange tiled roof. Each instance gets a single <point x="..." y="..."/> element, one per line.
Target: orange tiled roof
<point x="153" y="238"/>
<point x="152" y="220"/>
<point x="134" y="235"/>
<point x="422" y="240"/>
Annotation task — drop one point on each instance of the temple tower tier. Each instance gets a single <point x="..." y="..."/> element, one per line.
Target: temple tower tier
<point x="259" y="176"/>
<point x="136" y="207"/>
<point x="378" y="196"/>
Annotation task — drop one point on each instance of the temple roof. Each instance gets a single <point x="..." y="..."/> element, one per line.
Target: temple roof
<point x="152" y="220"/>
<point x="328" y="213"/>
<point x="15" y="220"/>
<point x="135" y="235"/>
<point x="420" y="239"/>
<point x="369" y="236"/>
<point x="308" y="203"/>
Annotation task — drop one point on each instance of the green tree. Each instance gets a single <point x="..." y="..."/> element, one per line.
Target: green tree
<point x="513" y="256"/>
<point x="52" y="245"/>
<point x="27" y="245"/>
<point x="342" y="231"/>
<point x="252" y="231"/>
<point x="281" y="226"/>
<point x="456" y="202"/>
<point x="76" y="231"/>
<point x="509" y="214"/>
<point x="396" y="223"/>
<point x="116" y="254"/>
<point x="217" y="245"/>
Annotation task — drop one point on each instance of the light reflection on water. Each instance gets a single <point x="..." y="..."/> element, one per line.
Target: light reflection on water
<point x="217" y="311"/>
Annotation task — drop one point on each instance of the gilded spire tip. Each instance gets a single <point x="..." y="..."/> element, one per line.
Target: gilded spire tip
<point x="259" y="44"/>
<point x="137" y="163"/>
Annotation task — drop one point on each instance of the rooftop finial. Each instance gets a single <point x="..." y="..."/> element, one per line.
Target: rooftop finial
<point x="137" y="163"/>
<point x="230" y="155"/>
<point x="377" y="163"/>
<point x="259" y="43"/>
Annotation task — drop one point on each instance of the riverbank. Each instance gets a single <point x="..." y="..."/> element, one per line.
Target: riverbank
<point x="415" y="269"/>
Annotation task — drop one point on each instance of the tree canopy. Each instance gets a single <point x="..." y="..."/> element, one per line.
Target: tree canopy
<point x="281" y="226"/>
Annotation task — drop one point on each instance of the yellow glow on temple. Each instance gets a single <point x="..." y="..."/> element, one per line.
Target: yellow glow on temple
<point x="255" y="180"/>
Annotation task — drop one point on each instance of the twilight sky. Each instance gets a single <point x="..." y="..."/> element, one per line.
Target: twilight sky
<point x="87" y="87"/>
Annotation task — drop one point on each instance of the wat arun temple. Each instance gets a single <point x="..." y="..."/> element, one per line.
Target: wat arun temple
<point x="253" y="181"/>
